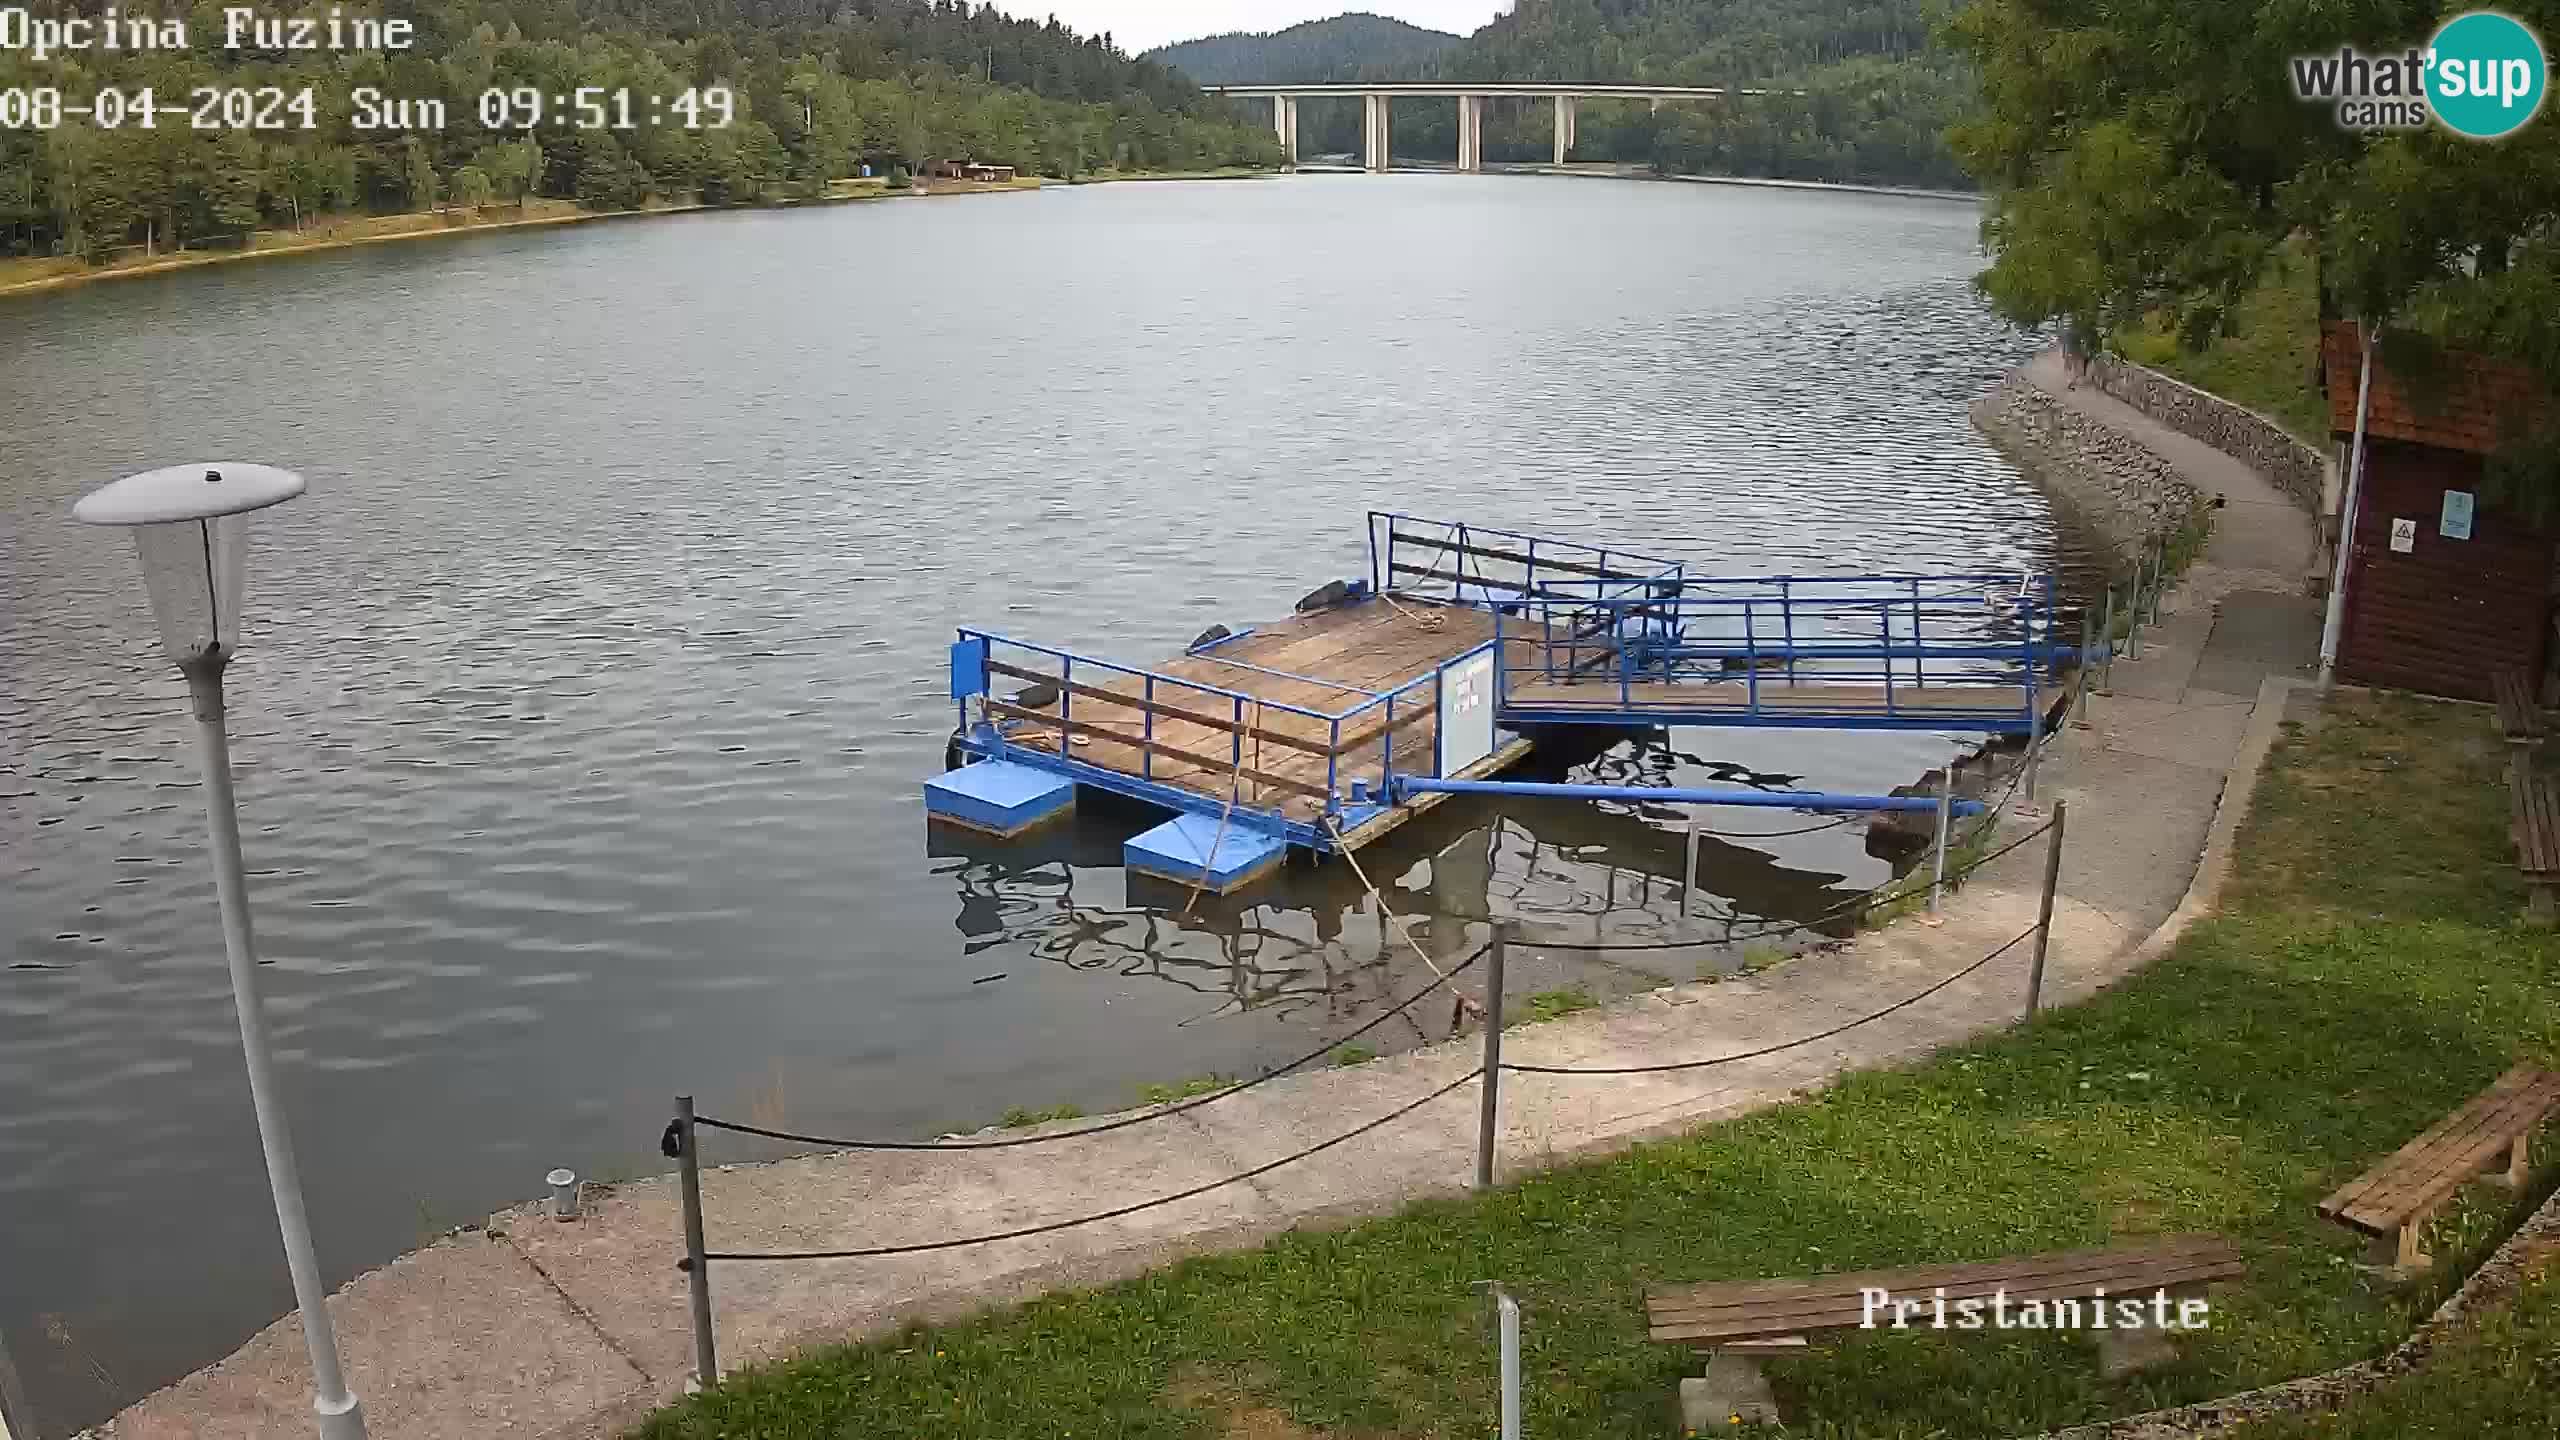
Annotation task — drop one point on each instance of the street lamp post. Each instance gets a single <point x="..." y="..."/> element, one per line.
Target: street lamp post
<point x="189" y="523"/>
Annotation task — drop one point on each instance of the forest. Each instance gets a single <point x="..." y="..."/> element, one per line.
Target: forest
<point x="1343" y="48"/>
<point x="816" y="92"/>
<point x="1879" y="89"/>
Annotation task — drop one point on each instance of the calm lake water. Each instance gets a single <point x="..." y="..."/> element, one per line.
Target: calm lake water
<point x="589" y="691"/>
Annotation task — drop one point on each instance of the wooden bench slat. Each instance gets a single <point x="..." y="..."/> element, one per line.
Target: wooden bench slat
<point x="2415" y="1177"/>
<point x="1989" y="1273"/>
<point x="2538" y="846"/>
<point x="1843" y="1312"/>
<point x="2421" y="1163"/>
<point x="2519" y="717"/>
<point x="2514" y="1103"/>
<point x="1775" y="1316"/>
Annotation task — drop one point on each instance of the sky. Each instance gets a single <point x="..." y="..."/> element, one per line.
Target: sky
<point x="1145" y="24"/>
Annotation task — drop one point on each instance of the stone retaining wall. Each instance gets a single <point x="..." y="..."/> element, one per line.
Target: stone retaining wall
<point x="2300" y="470"/>
<point x="2119" y="487"/>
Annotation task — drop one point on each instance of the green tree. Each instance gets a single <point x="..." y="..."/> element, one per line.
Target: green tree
<point x="425" y="187"/>
<point x="471" y="187"/>
<point x="235" y="180"/>
<point x="2149" y="158"/>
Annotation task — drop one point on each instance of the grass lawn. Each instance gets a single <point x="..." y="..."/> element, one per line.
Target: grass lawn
<point x="2366" y="976"/>
<point x="2266" y="362"/>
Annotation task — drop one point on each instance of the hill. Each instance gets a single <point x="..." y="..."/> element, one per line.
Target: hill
<point x="1342" y="48"/>
<point x="724" y="101"/>
<point x="1879" y="89"/>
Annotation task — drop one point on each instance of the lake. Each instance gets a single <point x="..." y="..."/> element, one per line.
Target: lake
<point x="587" y="695"/>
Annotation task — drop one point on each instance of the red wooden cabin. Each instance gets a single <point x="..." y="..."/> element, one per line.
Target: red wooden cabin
<point x="2445" y="589"/>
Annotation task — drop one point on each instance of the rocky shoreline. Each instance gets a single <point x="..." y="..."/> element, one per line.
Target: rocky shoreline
<point x="2119" y="488"/>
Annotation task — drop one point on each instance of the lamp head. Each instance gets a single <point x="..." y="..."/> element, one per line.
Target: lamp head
<point x="189" y="526"/>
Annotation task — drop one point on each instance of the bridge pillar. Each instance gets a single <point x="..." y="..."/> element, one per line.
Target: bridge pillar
<point x="1565" y="118"/>
<point x="1284" y="121"/>
<point x="1380" y="130"/>
<point x="1470" y="134"/>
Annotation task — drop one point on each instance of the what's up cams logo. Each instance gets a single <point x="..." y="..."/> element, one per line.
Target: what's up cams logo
<point x="2483" y="75"/>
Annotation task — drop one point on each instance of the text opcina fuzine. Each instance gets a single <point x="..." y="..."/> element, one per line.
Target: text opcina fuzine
<point x="244" y="28"/>
<point x="1881" y="1309"/>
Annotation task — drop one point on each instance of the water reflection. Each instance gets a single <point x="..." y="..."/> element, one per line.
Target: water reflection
<point x="1314" y="944"/>
<point x="581" y="730"/>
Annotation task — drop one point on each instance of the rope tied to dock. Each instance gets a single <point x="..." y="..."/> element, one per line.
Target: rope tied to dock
<point x="1394" y="920"/>
<point x="1235" y="786"/>
<point x="1431" y="621"/>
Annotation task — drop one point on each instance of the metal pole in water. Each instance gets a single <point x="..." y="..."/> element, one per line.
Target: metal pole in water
<point x="2107" y="637"/>
<point x="706" y="1363"/>
<point x="2133" y="633"/>
<point x="1492" y="1053"/>
<point x="1510" y="1312"/>
<point x="2035" y="748"/>
<point x="2080" y="673"/>
<point x="1689" y="872"/>
<point x="2044" y="914"/>
<point x="1938" y="875"/>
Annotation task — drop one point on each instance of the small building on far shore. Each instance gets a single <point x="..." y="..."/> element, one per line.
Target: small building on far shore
<point x="966" y="170"/>
<point x="2445" y="589"/>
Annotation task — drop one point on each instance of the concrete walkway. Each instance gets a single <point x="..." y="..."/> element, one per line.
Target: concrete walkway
<point x="539" y="1328"/>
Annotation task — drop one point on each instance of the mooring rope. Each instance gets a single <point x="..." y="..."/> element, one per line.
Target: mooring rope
<point x="1387" y="912"/>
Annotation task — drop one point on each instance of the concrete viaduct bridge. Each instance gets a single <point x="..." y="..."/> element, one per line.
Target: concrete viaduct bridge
<point x="1470" y="96"/>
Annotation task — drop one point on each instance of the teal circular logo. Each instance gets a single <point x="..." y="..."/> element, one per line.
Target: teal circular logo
<point x="2486" y="75"/>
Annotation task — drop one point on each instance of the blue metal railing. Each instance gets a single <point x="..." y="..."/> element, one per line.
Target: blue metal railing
<point x="1888" y="649"/>
<point x="1485" y="567"/>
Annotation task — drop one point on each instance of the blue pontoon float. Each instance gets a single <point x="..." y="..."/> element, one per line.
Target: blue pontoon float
<point x="1442" y="663"/>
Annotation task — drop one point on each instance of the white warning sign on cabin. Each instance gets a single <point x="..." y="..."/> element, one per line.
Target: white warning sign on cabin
<point x="2404" y="537"/>
<point x="1466" y="712"/>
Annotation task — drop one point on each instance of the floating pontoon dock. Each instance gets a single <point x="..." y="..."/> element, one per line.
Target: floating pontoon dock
<point x="1458" y="640"/>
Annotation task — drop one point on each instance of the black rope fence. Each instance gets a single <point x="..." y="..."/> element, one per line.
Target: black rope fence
<point x="682" y="1138"/>
<point x="1124" y="1122"/>
<point x="1798" y="1043"/>
<point x="873" y="1251"/>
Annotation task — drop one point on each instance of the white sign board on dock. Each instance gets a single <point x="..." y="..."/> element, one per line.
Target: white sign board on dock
<point x="1466" y="712"/>
<point x="2404" y="537"/>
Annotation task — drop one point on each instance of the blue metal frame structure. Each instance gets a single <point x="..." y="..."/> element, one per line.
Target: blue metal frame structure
<point x="1357" y="783"/>
<point x="1481" y="566"/>
<point x="1583" y="634"/>
<point x="1829" y="652"/>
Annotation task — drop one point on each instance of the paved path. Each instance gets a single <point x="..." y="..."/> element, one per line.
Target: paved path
<point x="536" y="1328"/>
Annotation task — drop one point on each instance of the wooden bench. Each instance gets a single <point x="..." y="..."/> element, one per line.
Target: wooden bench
<point x="2519" y="718"/>
<point x="1738" y="1322"/>
<point x="2534" y="826"/>
<point x="2391" y="1202"/>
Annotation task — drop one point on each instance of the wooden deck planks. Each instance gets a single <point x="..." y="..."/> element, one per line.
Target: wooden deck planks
<point x="1341" y="652"/>
<point x="2415" y="1178"/>
<point x="1719" y="1313"/>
